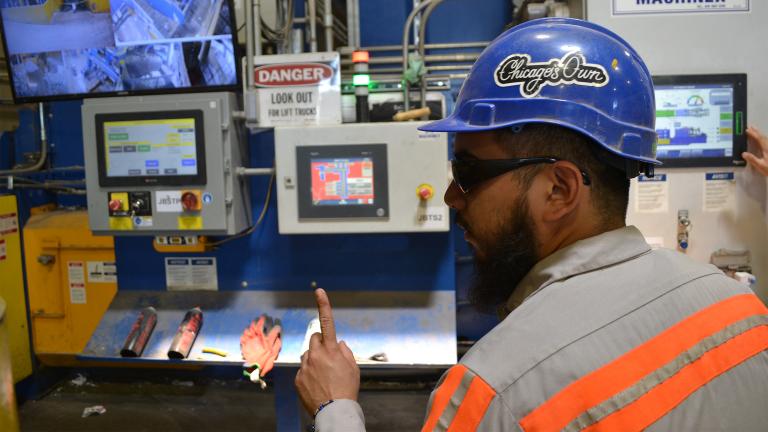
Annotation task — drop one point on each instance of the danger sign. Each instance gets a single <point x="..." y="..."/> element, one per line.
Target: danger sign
<point x="300" y="74"/>
<point x="298" y="89"/>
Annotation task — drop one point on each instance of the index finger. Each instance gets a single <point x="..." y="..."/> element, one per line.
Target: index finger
<point x="325" y="313"/>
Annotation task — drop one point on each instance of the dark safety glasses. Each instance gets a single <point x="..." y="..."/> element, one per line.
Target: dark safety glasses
<point x="468" y="173"/>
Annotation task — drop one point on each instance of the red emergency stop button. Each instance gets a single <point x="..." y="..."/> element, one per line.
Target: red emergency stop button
<point x="115" y="205"/>
<point x="425" y="192"/>
<point x="190" y="201"/>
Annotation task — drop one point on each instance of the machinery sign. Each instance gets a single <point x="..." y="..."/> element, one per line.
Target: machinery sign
<point x="634" y="7"/>
<point x="298" y="89"/>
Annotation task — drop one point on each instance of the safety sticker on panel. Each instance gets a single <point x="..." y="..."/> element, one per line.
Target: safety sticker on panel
<point x="76" y="276"/>
<point x="102" y="272"/>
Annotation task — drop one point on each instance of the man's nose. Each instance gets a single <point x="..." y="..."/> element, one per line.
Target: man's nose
<point x="454" y="197"/>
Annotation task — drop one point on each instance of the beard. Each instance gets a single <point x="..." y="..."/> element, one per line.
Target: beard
<point x="505" y="262"/>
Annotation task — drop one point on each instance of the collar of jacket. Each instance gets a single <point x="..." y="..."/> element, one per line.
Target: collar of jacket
<point x="593" y="253"/>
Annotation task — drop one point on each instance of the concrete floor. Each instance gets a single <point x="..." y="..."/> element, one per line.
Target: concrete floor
<point x="170" y="405"/>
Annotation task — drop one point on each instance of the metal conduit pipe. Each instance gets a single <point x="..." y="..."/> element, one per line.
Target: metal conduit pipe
<point x="422" y="35"/>
<point x="328" y="24"/>
<point x="43" y="148"/>
<point x="348" y="50"/>
<point x="256" y="29"/>
<point x="406" y="30"/>
<point x="435" y="58"/>
<point x="243" y="171"/>
<point x="312" y="17"/>
<point x="249" y="43"/>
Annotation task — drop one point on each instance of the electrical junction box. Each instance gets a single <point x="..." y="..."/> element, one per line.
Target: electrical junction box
<point x="297" y="89"/>
<point x="361" y="178"/>
<point x="165" y="165"/>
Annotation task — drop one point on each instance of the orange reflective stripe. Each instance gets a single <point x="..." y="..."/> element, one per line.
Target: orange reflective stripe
<point x="670" y="393"/>
<point x="474" y="406"/>
<point x="623" y="372"/>
<point x="443" y="396"/>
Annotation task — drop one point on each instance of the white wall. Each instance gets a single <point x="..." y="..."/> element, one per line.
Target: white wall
<point x="702" y="43"/>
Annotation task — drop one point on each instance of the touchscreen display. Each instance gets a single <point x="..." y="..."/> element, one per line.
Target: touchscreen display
<point x="694" y="121"/>
<point x="342" y="181"/>
<point x="162" y="147"/>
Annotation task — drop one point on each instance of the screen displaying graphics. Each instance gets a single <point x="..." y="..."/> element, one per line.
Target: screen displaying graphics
<point x="695" y="121"/>
<point x="150" y="148"/>
<point x="342" y="181"/>
<point x="76" y="48"/>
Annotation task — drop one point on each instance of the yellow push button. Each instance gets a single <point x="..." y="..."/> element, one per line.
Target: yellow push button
<point x="425" y="191"/>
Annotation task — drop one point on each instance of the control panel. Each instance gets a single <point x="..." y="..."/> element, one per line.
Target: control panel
<point x="164" y="165"/>
<point x="361" y="178"/>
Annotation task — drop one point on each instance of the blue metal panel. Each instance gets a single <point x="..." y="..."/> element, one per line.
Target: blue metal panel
<point x="382" y="21"/>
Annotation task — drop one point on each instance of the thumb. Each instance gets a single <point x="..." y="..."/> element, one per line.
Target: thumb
<point x="756" y="163"/>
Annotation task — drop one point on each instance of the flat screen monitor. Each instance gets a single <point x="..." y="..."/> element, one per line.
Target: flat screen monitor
<point x="157" y="148"/>
<point x="700" y="119"/>
<point x="342" y="181"/>
<point x="63" y="49"/>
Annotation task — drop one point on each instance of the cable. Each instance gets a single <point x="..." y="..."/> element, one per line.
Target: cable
<point x="248" y="231"/>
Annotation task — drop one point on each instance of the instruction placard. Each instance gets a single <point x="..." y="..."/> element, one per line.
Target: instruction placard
<point x="298" y="89"/>
<point x="102" y="272"/>
<point x="719" y="191"/>
<point x="652" y="194"/>
<point x="76" y="278"/>
<point x="187" y="274"/>
<point x="641" y="7"/>
<point x="8" y="223"/>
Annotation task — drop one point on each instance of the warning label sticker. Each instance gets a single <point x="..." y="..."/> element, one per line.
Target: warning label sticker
<point x="102" y="272"/>
<point x="8" y="223"/>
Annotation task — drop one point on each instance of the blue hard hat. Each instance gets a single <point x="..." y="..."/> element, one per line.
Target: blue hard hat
<point x="565" y="72"/>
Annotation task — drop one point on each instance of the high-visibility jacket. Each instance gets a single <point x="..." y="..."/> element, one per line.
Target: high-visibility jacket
<point x="609" y="335"/>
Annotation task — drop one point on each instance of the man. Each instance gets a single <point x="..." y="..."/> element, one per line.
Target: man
<point x="602" y="333"/>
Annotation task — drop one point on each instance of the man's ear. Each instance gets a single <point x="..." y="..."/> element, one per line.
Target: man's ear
<point x="565" y="189"/>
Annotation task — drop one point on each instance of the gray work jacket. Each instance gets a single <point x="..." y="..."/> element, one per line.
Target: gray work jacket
<point x="607" y="334"/>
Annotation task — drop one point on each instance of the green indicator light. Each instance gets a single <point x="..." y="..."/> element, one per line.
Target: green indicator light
<point x="739" y="123"/>
<point x="361" y="80"/>
<point x="665" y="113"/>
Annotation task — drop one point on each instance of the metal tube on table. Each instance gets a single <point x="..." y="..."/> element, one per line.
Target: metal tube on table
<point x="140" y="333"/>
<point x="186" y="334"/>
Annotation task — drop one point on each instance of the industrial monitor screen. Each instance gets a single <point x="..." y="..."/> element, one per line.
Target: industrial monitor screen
<point x="59" y="49"/>
<point x="150" y="148"/>
<point x="342" y="181"/>
<point x="700" y="120"/>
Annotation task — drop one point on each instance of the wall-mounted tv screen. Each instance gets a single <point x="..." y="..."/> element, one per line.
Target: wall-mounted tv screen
<point x="63" y="49"/>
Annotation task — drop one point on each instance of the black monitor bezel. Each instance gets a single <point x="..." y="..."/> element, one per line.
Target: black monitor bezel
<point x="739" y="83"/>
<point x="308" y="211"/>
<point x="75" y="96"/>
<point x="167" y="180"/>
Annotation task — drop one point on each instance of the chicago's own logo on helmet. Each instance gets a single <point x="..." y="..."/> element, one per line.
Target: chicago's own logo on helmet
<point x="571" y="69"/>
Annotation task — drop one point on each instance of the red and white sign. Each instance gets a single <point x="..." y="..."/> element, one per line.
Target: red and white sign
<point x="298" y="89"/>
<point x="8" y="223"/>
<point x="3" y="252"/>
<point x="287" y="75"/>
